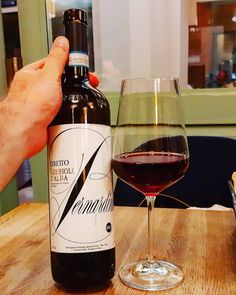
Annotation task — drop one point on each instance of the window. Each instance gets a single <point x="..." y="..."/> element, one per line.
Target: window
<point x="212" y="45"/>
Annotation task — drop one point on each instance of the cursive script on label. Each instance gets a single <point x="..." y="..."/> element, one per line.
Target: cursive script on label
<point x="102" y="205"/>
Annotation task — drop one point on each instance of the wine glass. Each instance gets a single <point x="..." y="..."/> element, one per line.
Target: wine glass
<point x="150" y="153"/>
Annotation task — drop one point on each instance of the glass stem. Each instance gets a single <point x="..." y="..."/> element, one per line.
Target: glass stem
<point x="150" y="204"/>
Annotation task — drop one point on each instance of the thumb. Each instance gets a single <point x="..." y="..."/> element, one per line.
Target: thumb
<point x="57" y="58"/>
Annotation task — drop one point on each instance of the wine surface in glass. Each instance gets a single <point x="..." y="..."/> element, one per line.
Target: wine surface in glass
<point x="150" y="172"/>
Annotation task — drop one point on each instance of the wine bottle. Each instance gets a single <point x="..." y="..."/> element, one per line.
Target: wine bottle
<point x="80" y="178"/>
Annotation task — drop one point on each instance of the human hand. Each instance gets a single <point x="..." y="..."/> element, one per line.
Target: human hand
<point x="34" y="98"/>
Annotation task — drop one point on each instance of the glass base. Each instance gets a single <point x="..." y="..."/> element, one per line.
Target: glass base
<point x="151" y="275"/>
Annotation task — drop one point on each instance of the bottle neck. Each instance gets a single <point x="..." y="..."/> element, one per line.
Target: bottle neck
<point x="78" y="62"/>
<point x="79" y="73"/>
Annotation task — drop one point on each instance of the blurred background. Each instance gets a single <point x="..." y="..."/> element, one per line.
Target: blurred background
<point x="193" y="40"/>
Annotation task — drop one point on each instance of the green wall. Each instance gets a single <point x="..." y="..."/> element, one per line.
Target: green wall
<point x="206" y="111"/>
<point x="34" y="46"/>
<point x="9" y="196"/>
<point x="3" y="82"/>
<point x="33" y="30"/>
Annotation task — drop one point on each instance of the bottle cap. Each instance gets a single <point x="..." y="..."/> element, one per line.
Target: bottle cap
<point x="74" y="14"/>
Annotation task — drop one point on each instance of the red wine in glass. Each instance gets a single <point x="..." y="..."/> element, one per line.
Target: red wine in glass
<point x="150" y="172"/>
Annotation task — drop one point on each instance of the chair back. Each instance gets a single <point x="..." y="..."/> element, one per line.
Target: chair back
<point x="212" y="162"/>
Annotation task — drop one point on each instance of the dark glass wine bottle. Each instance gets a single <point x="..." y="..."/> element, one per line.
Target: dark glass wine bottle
<point x="80" y="179"/>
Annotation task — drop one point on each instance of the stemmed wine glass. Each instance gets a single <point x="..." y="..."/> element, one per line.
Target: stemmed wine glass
<point x="150" y="153"/>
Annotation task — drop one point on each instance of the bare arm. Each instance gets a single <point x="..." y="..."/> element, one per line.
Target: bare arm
<point x="32" y="102"/>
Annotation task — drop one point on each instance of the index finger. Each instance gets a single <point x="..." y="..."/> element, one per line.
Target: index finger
<point x="57" y="58"/>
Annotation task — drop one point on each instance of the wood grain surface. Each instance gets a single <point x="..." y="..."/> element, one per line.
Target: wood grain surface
<point x="202" y="243"/>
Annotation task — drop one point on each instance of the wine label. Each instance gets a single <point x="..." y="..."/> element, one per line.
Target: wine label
<point x="77" y="58"/>
<point x="80" y="188"/>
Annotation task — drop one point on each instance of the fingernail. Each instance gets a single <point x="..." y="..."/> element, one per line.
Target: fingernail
<point x="61" y="42"/>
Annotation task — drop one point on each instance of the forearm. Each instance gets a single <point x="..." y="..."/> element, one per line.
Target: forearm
<point x="10" y="161"/>
<point x="11" y="143"/>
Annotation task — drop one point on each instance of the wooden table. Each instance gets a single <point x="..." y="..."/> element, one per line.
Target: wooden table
<point x="203" y="243"/>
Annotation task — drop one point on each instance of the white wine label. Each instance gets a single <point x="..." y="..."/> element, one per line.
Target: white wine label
<point x="80" y="188"/>
<point x="77" y="58"/>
